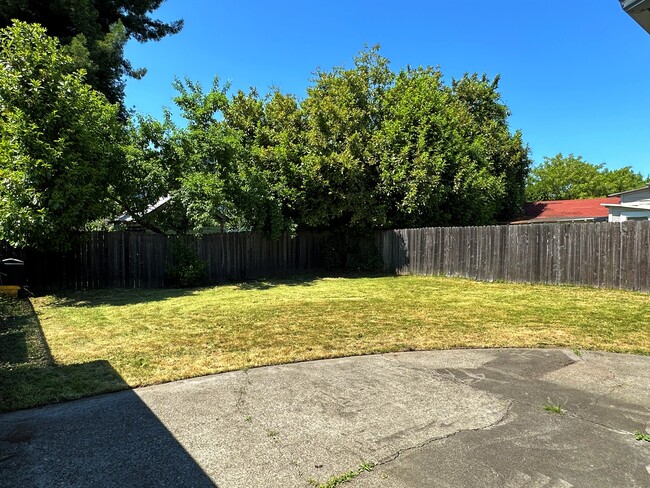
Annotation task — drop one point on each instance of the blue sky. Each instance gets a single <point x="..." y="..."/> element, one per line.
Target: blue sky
<point x="575" y="74"/>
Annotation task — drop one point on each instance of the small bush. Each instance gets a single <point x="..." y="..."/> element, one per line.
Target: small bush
<point x="185" y="270"/>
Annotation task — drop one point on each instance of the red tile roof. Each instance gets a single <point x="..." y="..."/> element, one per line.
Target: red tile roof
<point x="567" y="209"/>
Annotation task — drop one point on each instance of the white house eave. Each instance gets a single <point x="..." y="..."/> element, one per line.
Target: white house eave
<point x="627" y="206"/>
<point x="639" y="10"/>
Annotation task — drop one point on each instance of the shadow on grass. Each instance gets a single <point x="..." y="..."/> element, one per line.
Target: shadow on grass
<point x="304" y="280"/>
<point x="269" y="283"/>
<point x="111" y="440"/>
<point x="117" y="297"/>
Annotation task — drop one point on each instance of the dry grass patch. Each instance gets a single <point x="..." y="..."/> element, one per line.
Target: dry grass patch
<point x="152" y="336"/>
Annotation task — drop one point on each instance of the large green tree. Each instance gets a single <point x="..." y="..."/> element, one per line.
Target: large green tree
<point x="344" y="109"/>
<point x="273" y="132"/>
<point x="446" y="154"/>
<point x="369" y="148"/>
<point x="95" y="33"/>
<point x="366" y="149"/>
<point x="212" y="168"/>
<point x="60" y="142"/>
<point x="571" y="177"/>
<point x="192" y="165"/>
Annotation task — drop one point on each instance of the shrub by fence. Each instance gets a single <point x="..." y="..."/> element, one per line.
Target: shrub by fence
<point x="608" y="255"/>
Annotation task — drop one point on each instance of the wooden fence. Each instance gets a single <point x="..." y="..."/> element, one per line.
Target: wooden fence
<point x="138" y="260"/>
<point x="607" y="255"/>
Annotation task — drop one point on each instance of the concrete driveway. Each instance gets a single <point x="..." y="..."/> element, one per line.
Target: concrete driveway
<point x="460" y="418"/>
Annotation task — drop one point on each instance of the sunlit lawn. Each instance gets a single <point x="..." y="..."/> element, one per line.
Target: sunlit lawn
<point x="141" y="337"/>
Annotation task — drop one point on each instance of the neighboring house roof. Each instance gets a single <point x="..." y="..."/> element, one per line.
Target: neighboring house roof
<point x="155" y="210"/>
<point x="637" y="199"/>
<point x="585" y="210"/>
<point x="125" y="217"/>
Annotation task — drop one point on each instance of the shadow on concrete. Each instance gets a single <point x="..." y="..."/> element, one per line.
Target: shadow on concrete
<point x="108" y="440"/>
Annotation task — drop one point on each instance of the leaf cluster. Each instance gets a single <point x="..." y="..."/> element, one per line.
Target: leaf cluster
<point x="94" y="33"/>
<point x="60" y="142"/>
<point x="571" y="177"/>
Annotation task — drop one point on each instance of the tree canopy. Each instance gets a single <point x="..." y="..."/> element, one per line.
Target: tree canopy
<point x="95" y="33"/>
<point x="445" y="153"/>
<point x="571" y="177"/>
<point x="367" y="148"/>
<point x="60" y="142"/>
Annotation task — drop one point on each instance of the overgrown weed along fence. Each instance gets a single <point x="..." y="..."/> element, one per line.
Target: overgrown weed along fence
<point x="607" y="255"/>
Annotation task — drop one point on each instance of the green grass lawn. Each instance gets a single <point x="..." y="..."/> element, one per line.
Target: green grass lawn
<point x="111" y="339"/>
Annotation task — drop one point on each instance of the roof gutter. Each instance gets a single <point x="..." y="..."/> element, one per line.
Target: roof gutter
<point x="639" y="10"/>
<point x="559" y="220"/>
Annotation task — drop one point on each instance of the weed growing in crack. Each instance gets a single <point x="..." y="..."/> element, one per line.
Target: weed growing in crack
<point x="273" y="434"/>
<point x="335" y="481"/>
<point x="551" y="407"/>
<point x="641" y="436"/>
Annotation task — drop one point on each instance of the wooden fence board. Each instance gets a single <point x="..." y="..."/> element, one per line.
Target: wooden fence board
<point x="138" y="260"/>
<point x="607" y="255"/>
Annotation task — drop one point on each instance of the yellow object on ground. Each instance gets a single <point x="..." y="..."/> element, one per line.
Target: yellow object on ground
<point x="10" y="290"/>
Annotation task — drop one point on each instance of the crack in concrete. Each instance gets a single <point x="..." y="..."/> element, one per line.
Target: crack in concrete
<point x="8" y="457"/>
<point x="472" y="379"/>
<point x="396" y="455"/>
<point x="599" y="424"/>
<point x="569" y="415"/>
<point x="604" y="395"/>
<point x="243" y="390"/>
